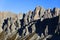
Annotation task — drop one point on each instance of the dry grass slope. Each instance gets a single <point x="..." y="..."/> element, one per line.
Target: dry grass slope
<point x="2" y="35"/>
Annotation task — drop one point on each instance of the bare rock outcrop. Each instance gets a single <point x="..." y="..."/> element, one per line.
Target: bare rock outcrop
<point x="39" y="24"/>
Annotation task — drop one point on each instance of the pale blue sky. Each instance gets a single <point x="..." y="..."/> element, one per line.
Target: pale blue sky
<point x="25" y="5"/>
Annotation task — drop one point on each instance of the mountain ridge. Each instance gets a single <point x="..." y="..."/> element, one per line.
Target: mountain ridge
<point x="41" y="23"/>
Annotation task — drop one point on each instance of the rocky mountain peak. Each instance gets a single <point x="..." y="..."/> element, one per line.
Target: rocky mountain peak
<point x="39" y="24"/>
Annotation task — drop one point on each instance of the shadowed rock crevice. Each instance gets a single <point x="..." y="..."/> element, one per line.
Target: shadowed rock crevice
<point x="52" y="25"/>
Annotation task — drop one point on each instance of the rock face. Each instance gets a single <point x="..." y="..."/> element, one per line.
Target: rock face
<point x="40" y="24"/>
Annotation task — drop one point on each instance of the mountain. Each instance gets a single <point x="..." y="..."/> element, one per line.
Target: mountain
<point x="40" y="24"/>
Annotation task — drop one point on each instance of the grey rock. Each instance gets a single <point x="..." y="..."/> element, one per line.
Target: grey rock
<point x="38" y="24"/>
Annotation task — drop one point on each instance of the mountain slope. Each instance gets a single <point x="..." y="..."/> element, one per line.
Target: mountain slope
<point x="40" y="24"/>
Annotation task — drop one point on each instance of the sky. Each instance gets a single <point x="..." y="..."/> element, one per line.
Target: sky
<point x="23" y="6"/>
